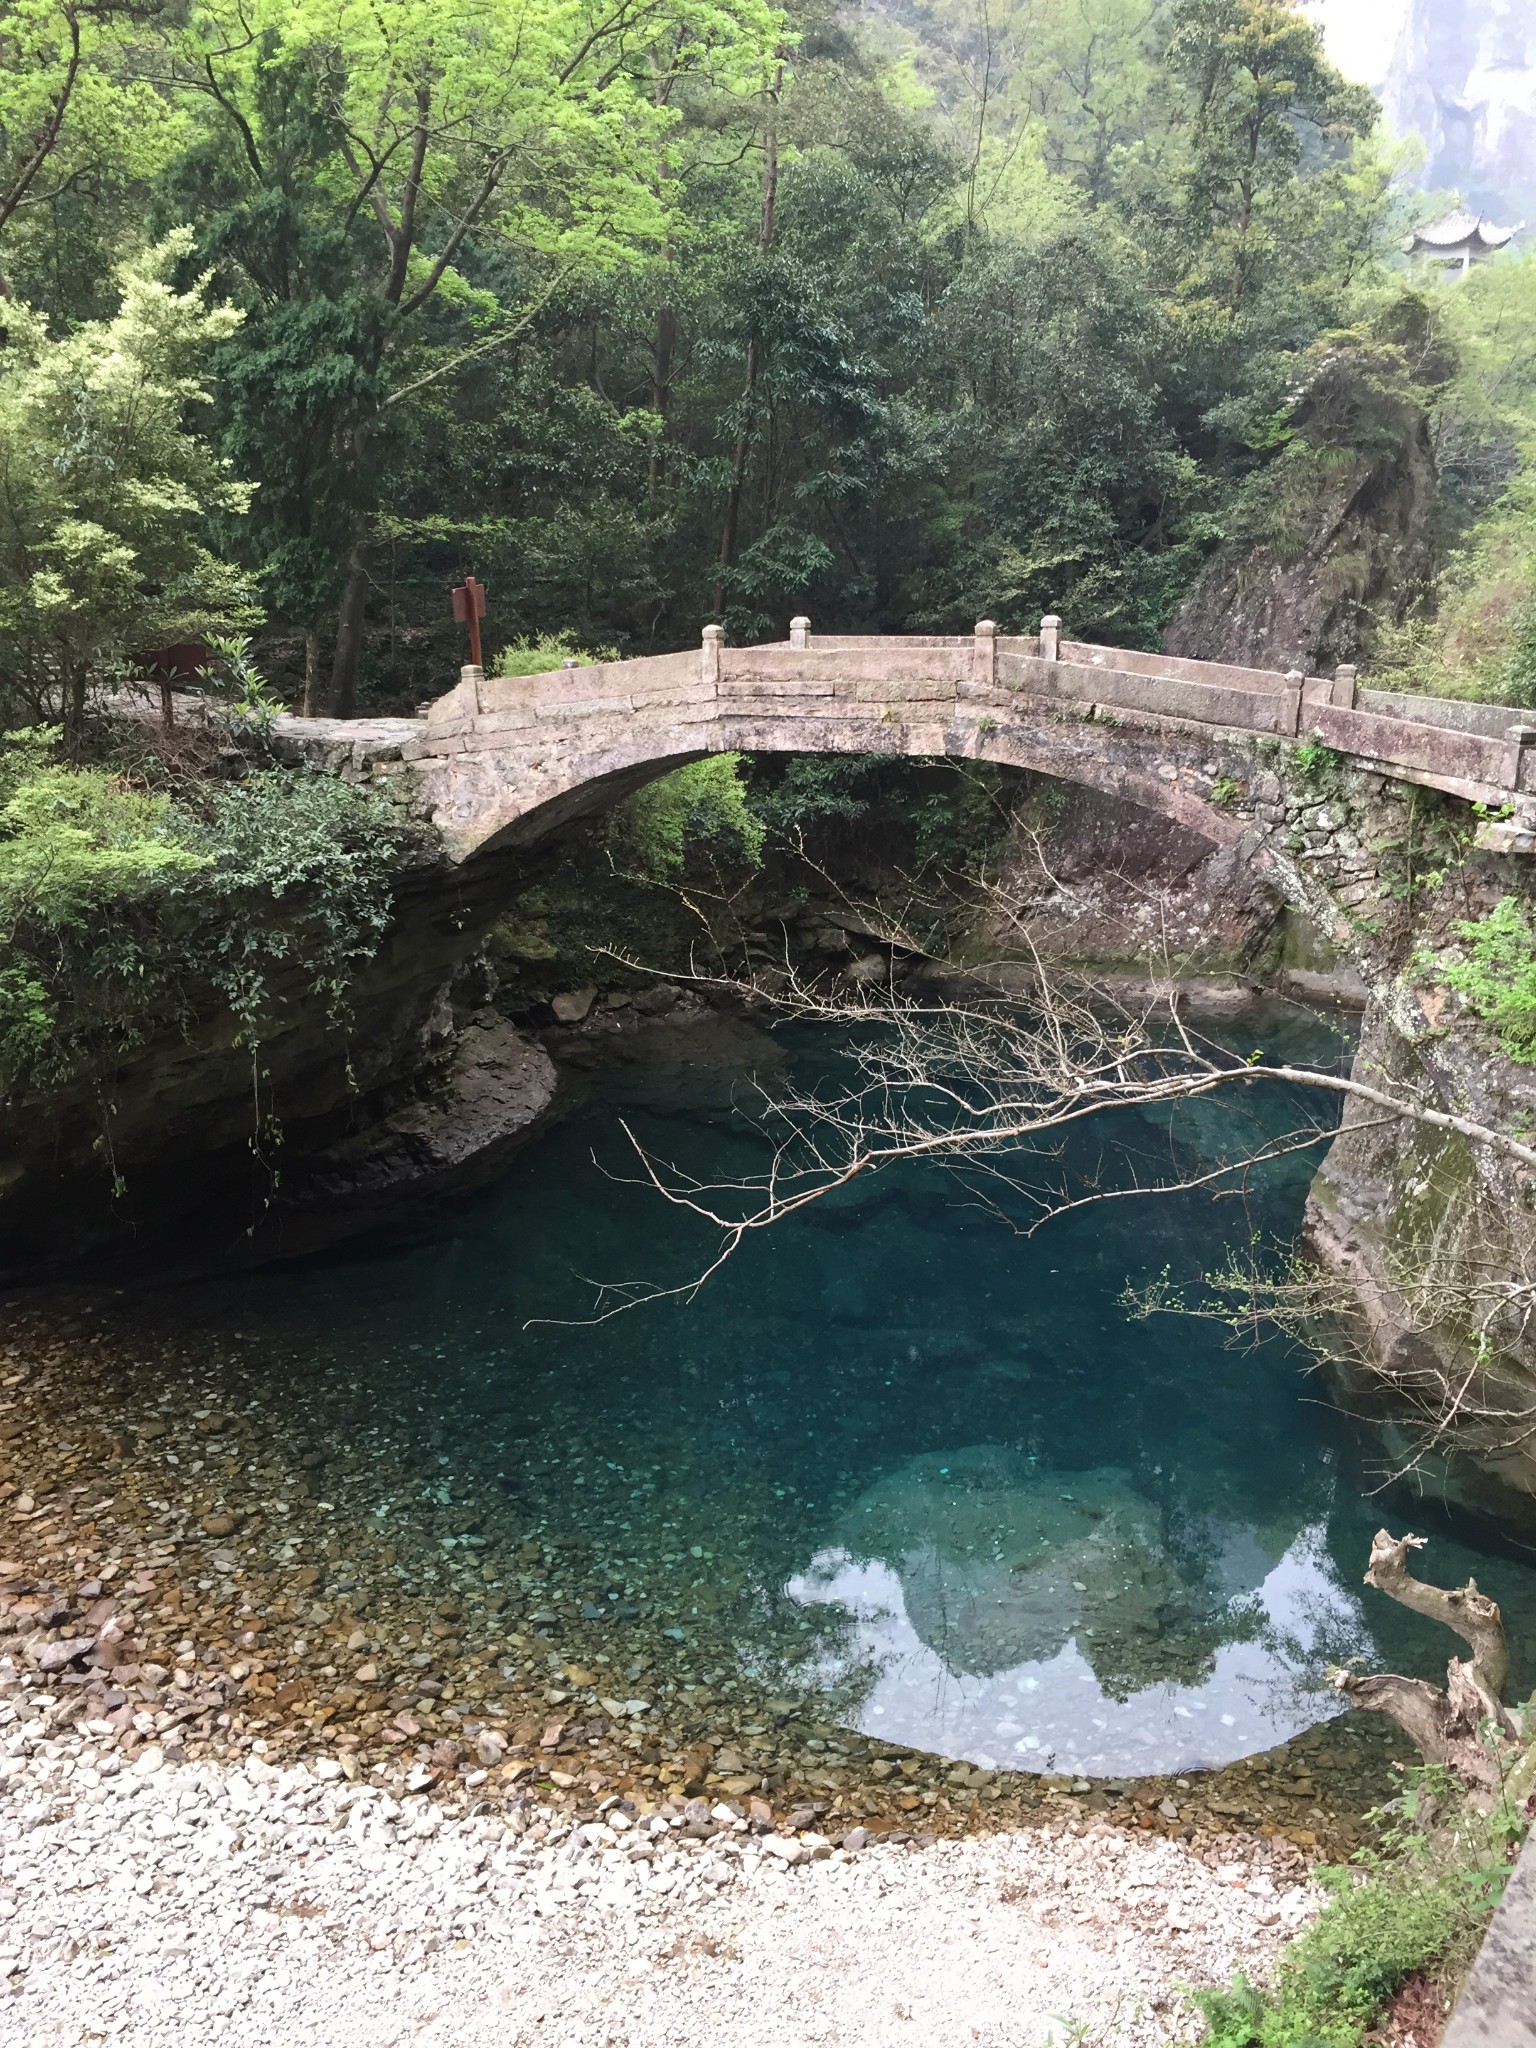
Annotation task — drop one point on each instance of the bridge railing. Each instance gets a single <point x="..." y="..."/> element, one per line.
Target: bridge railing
<point x="925" y="683"/>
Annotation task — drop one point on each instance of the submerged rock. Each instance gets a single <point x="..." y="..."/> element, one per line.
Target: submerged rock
<point x="1002" y="1562"/>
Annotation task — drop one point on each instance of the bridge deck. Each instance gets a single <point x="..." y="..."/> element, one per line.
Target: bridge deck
<point x="500" y="749"/>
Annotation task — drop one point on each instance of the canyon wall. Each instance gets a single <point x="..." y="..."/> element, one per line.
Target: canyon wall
<point x="1461" y="75"/>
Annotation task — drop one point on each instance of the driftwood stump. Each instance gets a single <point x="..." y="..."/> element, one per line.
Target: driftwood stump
<point x="1451" y="1728"/>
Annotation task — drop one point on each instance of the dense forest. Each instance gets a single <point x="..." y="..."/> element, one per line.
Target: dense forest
<point x="650" y="313"/>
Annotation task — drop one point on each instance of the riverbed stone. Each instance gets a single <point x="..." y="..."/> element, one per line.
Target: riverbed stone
<point x="572" y="1005"/>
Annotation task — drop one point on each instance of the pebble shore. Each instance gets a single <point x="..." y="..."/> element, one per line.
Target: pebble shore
<point x="275" y="1766"/>
<point x="184" y="1902"/>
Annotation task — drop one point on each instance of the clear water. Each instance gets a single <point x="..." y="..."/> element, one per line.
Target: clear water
<point x="896" y="1457"/>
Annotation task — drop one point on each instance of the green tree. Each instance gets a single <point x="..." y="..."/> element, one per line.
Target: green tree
<point x="1267" y="105"/>
<point x="105" y="492"/>
<point x="375" y="157"/>
<point x="73" y="114"/>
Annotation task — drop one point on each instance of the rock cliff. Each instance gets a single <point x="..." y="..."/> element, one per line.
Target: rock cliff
<point x="198" y="1150"/>
<point x="1459" y="74"/>
<point x="1462" y="75"/>
<point x="1337" y="533"/>
<point x="1436" y="1244"/>
<point x="1433" y="1238"/>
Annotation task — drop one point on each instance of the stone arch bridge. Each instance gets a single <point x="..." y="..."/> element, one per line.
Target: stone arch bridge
<point x="501" y="761"/>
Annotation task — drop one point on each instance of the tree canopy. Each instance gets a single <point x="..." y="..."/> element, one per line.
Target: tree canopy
<point x="648" y="311"/>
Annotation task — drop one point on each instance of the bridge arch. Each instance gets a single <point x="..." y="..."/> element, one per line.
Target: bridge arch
<point x="506" y="760"/>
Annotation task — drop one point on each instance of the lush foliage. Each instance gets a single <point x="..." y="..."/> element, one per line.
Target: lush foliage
<point x="299" y="876"/>
<point x="647" y="311"/>
<point x="537" y="656"/>
<point x="79" y="855"/>
<point x="105" y="495"/>
<point x="1420" y="1903"/>
<point x="122" y="910"/>
<point x="700" y="809"/>
<point x="1497" y="978"/>
<point x="1476" y="637"/>
<point x="839" y="808"/>
<point x="75" y="839"/>
<point x="81" y="133"/>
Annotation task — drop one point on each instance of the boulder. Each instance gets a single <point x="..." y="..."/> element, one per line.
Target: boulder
<point x="573" y="1005"/>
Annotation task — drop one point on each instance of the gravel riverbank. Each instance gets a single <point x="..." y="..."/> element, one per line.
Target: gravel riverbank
<point x="179" y="1903"/>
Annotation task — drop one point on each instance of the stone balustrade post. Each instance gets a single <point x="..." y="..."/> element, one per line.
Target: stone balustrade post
<point x="570" y="661"/>
<point x="799" y="632"/>
<point x="709" y="671"/>
<point x="471" y="676"/>
<point x="1345" y="686"/>
<point x="1291" y="698"/>
<point x="1519" y="741"/>
<point x="1050" y="637"/>
<point x="984" y="664"/>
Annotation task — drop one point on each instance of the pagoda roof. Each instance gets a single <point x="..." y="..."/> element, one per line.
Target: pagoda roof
<point x="1460" y="230"/>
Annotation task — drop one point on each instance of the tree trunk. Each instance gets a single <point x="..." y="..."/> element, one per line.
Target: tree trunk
<point x="1450" y="1728"/>
<point x="311" y="672"/>
<point x="1445" y="1727"/>
<point x="1474" y="1617"/>
<point x="661" y="391"/>
<point x="731" y="524"/>
<point x="74" y="710"/>
<point x="341" y="697"/>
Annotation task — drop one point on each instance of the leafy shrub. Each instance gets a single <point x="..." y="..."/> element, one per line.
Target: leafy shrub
<point x="299" y="873"/>
<point x="1339" y="1976"/>
<point x="934" y="813"/>
<point x="1520" y="663"/>
<point x="75" y="840"/>
<point x="83" y="861"/>
<point x="1314" y="759"/>
<point x="702" y="804"/>
<point x="245" y="699"/>
<point x="1498" y="979"/>
<point x="816" y="789"/>
<point x="120" y="913"/>
<point x="26" y="1022"/>
<point x="549" y="651"/>
<point x="1418" y="1904"/>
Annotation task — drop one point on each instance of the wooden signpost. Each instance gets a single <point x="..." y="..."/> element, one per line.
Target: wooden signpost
<point x="469" y="609"/>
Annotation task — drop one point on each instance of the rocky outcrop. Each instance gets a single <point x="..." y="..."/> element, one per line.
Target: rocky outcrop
<point x="454" y="1135"/>
<point x="1433" y="1238"/>
<point x="1435" y="1241"/>
<point x="199" y="1150"/>
<point x="1112" y="890"/>
<point x="1336" y="534"/>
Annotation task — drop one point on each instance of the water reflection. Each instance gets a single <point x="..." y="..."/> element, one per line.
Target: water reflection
<point x="1015" y="1616"/>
